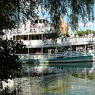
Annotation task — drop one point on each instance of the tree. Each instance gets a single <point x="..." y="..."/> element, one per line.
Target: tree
<point x="10" y="11"/>
<point x="9" y="67"/>
<point x="75" y="10"/>
<point x="79" y="33"/>
<point x="86" y="32"/>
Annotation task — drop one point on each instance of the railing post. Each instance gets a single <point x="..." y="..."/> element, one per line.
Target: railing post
<point x="85" y="50"/>
<point x="71" y="49"/>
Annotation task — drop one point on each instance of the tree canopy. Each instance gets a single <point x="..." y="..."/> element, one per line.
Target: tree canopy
<point x="7" y="13"/>
<point x="86" y="32"/>
<point x="9" y="67"/>
<point x="10" y="11"/>
<point x="75" y="10"/>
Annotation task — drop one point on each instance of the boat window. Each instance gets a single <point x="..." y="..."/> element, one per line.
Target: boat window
<point x="33" y="37"/>
<point x="13" y="37"/>
<point x="44" y="21"/>
<point x="30" y="37"/>
<point x="25" y="37"/>
<point x="36" y="21"/>
<point x="37" y="37"/>
<point x="40" y="21"/>
<point x="18" y="37"/>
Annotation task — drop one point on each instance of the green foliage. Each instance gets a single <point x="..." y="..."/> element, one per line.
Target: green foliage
<point x="75" y="10"/>
<point x="81" y="33"/>
<point x="7" y="13"/>
<point x="9" y="68"/>
<point x="10" y="11"/>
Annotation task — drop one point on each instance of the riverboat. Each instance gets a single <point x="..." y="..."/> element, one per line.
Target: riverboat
<point x="45" y="49"/>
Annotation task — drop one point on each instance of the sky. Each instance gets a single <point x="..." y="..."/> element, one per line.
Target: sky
<point x="89" y="25"/>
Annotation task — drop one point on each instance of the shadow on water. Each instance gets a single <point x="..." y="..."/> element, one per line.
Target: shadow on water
<point x="60" y="81"/>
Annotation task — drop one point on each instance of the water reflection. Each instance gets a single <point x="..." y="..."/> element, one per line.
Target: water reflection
<point x="65" y="81"/>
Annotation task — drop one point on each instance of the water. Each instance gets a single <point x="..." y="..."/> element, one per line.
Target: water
<point x="66" y="81"/>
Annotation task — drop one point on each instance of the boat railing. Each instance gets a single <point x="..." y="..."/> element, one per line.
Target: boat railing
<point x="51" y="55"/>
<point x="77" y="40"/>
<point x="73" y="54"/>
<point x="76" y="54"/>
<point x="65" y="42"/>
<point x="40" y="55"/>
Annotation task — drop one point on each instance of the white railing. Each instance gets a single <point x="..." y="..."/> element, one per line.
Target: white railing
<point x="78" y="40"/>
<point x="39" y="43"/>
<point x="40" y="56"/>
<point x="39" y="29"/>
<point x="67" y="41"/>
<point x="51" y="55"/>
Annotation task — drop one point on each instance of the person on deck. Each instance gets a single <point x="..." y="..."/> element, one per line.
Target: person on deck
<point x="62" y="38"/>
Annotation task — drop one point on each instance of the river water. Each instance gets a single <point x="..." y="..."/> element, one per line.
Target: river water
<point x="66" y="81"/>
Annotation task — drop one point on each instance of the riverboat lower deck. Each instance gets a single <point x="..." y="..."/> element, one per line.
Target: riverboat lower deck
<point x="75" y="61"/>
